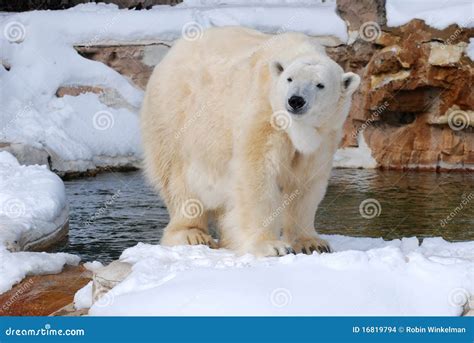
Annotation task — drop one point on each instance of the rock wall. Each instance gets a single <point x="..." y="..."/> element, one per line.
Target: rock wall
<point x="415" y="105"/>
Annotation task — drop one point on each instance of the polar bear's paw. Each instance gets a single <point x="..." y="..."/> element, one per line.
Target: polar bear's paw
<point x="192" y="236"/>
<point x="197" y="237"/>
<point x="307" y="245"/>
<point x="272" y="248"/>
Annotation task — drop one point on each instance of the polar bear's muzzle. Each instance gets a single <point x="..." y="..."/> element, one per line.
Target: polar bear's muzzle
<point x="296" y="104"/>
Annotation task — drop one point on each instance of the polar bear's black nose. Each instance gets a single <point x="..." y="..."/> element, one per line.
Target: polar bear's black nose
<point x="296" y="102"/>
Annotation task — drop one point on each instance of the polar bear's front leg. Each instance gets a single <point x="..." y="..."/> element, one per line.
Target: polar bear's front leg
<point x="254" y="222"/>
<point x="299" y="219"/>
<point x="258" y="223"/>
<point x="188" y="216"/>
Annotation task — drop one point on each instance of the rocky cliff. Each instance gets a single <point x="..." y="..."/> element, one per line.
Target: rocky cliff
<point x="414" y="107"/>
<point x="415" y="104"/>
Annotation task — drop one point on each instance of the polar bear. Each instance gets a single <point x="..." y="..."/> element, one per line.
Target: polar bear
<point x="239" y="128"/>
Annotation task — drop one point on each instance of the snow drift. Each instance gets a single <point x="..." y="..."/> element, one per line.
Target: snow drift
<point x="365" y="276"/>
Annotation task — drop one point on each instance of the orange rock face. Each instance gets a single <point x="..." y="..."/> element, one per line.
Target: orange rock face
<point x="43" y="295"/>
<point x="415" y="103"/>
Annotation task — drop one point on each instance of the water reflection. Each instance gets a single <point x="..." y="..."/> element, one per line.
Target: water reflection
<point x="114" y="211"/>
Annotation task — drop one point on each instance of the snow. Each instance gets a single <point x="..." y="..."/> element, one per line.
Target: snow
<point x="364" y="276"/>
<point x="83" y="297"/>
<point x="436" y="13"/>
<point x="360" y="157"/>
<point x="31" y="198"/>
<point x="81" y="132"/>
<point x="470" y="49"/>
<point x="14" y="267"/>
<point x="93" y="266"/>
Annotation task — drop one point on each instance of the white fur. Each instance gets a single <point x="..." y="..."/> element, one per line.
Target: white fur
<point x="230" y="157"/>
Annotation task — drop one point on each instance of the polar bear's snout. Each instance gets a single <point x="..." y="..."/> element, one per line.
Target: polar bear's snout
<point x="296" y="104"/>
<point x="301" y="98"/>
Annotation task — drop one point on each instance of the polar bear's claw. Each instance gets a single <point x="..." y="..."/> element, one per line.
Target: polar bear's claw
<point x="191" y="236"/>
<point x="201" y="239"/>
<point x="273" y="248"/>
<point x="309" y="245"/>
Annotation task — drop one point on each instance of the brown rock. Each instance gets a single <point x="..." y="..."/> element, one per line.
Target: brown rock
<point x="77" y="90"/>
<point x="136" y="62"/>
<point x="43" y="295"/>
<point x="411" y="86"/>
<point x="355" y="13"/>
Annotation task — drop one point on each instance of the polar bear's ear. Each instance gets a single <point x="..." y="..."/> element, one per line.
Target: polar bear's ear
<point x="350" y="82"/>
<point x="276" y="68"/>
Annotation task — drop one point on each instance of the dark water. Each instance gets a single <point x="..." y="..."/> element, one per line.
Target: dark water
<point x="113" y="211"/>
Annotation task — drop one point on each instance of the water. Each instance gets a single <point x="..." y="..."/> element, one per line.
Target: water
<point x="114" y="211"/>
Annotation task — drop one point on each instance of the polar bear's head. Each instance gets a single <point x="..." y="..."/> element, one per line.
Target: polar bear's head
<point x="312" y="89"/>
<point x="315" y="92"/>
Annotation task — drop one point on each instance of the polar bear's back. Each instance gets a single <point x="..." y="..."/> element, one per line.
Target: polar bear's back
<point x="236" y="44"/>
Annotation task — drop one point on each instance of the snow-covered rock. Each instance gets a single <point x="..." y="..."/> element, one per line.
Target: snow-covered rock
<point x="33" y="207"/>
<point x="33" y="215"/>
<point x="364" y="276"/>
<point x="360" y="157"/>
<point x="15" y="266"/>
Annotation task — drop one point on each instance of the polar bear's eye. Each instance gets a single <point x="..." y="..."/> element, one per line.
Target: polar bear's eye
<point x="289" y="79"/>
<point x="320" y="85"/>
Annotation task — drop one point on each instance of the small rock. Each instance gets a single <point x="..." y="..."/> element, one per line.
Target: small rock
<point x="108" y="277"/>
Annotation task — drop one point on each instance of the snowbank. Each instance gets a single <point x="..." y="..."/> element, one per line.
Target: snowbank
<point x="81" y="132"/>
<point x="32" y="203"/>
<point x="360" y="157"/>
<point x="436" y="13"/>
<point x="31" y="200"/>
<point x="365" y="276"/>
